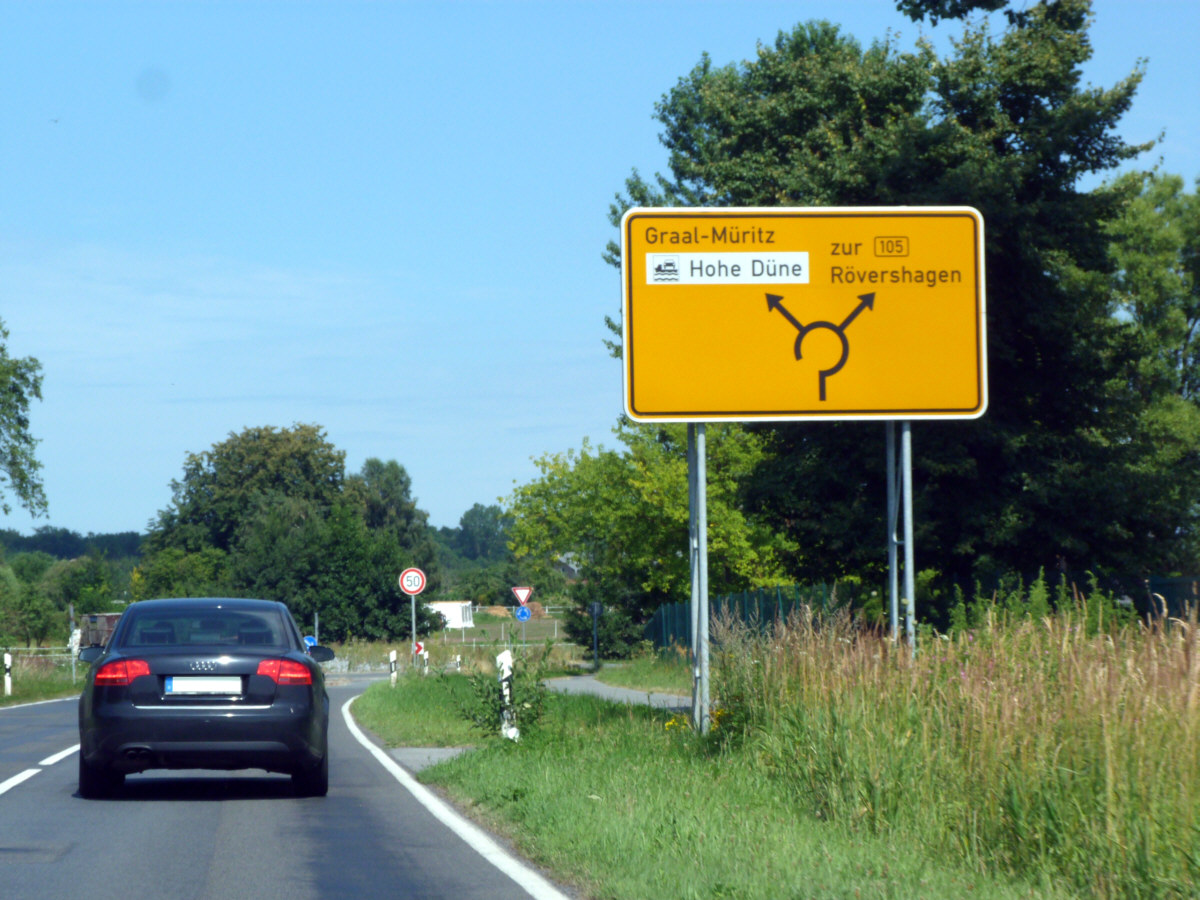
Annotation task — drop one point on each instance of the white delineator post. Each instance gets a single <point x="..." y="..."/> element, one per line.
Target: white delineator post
<point x="504" y="671"/>
<point x="392" y="665"/>
<point x="7" y="674"/>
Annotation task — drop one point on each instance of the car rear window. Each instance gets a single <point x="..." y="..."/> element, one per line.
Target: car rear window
<point x="218" y="627"/>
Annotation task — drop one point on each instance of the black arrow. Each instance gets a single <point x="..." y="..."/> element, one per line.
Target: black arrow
<point x="868" y="302"/>
<point x="774" y="301"/>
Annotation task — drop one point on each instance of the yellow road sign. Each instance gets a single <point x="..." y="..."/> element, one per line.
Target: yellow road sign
<point x="802" y="313"/>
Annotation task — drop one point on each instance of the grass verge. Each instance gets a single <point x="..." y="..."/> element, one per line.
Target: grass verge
<point x="34" y="679"/>
<point x="668" y="673"/>
<point x="421" y="711"/>
<point x="628" y="803"/>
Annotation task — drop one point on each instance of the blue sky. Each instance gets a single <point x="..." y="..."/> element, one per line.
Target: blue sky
<point x="383" y="218"/>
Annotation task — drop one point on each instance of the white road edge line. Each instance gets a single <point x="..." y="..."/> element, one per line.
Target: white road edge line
<point x="533" y="883"/>
<point x="58" y="757"/>
<point x="6" y="786"/>
<point x="38" y="702"/>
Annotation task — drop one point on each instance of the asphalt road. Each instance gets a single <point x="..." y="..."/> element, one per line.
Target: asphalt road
<point x="201" y="835"/>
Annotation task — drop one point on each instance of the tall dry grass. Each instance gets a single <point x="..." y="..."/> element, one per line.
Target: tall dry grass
<point x="1046" y="748"/>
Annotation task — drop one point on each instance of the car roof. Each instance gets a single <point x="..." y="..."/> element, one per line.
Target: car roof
<point x="203" y="603"/>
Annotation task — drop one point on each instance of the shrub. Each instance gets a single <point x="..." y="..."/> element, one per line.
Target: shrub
<point x="484" y="706"/>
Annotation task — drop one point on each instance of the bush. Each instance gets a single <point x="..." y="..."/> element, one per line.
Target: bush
<point x="484" y="706"/>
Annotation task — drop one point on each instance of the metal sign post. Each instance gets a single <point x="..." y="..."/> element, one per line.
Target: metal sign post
<point x="596" y="609"/>
<point x="899" y="498"/>
<point x="893" y="506"/>
<point x="412" y="582"/>
<point x="909" y="573"/>
<point x="705" y="718"/>
<point x="694" y="563"/>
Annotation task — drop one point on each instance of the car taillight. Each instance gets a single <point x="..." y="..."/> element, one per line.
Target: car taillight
<point x="285" y="671"/>
<point x="122" y="671"/>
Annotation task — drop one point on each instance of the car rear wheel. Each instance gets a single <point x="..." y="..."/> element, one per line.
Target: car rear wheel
<point x="313" y="782"/>
<point x="96" y="782"/>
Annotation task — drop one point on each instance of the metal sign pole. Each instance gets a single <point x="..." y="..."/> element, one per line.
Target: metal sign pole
<point x="909" y="569"/>
<point x="702" y="555"/>
<point x="694" y="565"/>
<point x="893" y="514"/>
<point x="412" y="599"/>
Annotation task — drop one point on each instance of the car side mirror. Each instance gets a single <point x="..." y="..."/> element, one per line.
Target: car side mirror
<point x="90" y="654"/>
<point x="320" y="654"/>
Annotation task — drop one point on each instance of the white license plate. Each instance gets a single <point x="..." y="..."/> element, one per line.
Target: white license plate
<point x="204" y="684"/>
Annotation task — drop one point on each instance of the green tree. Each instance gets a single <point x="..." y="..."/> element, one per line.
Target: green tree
<point x="84" y="583"/>
<point x="269" y="513"/>
<point x="26" y="614"/>
<point x="1155" y="250"/>
<point x="1004" y="124"/>
<point x="624" y="516"/>
<point x="30" y="567"/>
<point x="20" y="383"/>
<point x="330" y="564"/>
<point x="11" y="588"/>
<point x="384" y="491"/>
<point x="483" y="533"/>
<point x="221" y="487"/>
<point x="173" y="572"/>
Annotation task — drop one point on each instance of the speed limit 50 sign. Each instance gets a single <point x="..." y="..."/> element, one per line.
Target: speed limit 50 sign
<point x="412" y="581"/>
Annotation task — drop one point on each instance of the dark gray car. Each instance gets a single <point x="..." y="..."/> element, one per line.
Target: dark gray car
<point x="204" y="683"/>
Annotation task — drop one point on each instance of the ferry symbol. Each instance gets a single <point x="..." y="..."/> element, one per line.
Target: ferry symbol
<point x="666" y="268"/>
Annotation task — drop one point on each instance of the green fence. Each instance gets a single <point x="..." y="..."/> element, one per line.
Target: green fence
<point x="671" y="624"/>
<point x="1178" y="594"/>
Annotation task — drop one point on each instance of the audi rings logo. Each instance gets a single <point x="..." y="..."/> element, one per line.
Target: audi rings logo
<point x="203" y="666"/>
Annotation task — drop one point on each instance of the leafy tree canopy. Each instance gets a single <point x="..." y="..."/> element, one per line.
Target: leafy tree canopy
<point x="1003" y="123"/>
<point x="483" y="533"/>
<point x="623" y="515"/>
<point x="20" y="384"/>
<point x="220" y="487"/>
<point x="383" y="491"/>
<point x="269" y="513"/>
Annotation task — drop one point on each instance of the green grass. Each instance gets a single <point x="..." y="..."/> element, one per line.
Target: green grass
<point x="668" y="674"/>
<point x="1052" y="749"/>
<point x="475" y="648"/>
<point x="36" y="679"/>
<point x="491" y="628"/>
<point x="627" y="804"/>
<point x="420" y="711"/>
<point x="1025" y="757"/>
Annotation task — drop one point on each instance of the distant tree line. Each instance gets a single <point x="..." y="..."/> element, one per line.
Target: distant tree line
<point x="66" y="544"/>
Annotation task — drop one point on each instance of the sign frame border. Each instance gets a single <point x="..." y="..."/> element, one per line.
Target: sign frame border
<point x="734" y="212"/>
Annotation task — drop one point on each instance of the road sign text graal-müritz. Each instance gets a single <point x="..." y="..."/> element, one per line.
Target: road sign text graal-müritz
<point x="790" y="313"/>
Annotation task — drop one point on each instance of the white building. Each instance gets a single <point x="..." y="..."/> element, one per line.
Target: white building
<point x="457" y="613"/>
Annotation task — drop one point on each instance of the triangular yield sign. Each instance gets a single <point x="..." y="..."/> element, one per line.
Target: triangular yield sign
<point x="523" y="594"/>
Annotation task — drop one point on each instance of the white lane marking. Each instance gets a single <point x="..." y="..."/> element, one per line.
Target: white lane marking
<point x="533" y="883"/>
<point x="6" y="786"/>
<point x="58" y="757"/>
<point x="38" y="702"/>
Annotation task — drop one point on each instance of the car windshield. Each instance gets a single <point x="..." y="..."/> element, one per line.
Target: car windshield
<point x="215" y="627"/>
